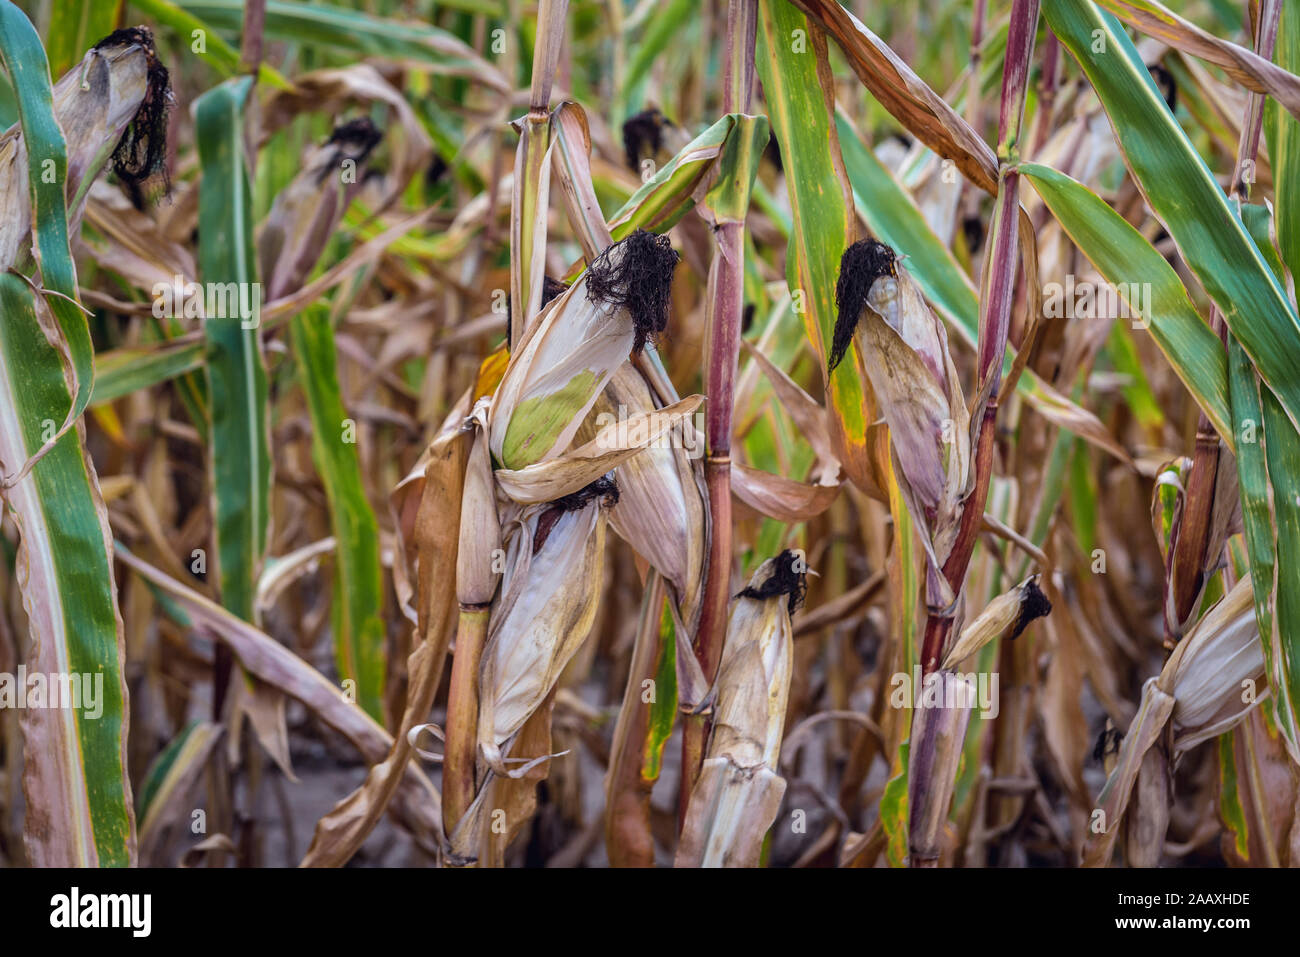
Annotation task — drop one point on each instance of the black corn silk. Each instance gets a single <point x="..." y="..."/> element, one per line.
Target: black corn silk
<point x="861" y="265"/>
<point x="1108" y="742"/>
<point x="643" y="134"/>
<point x="604" y="488"/>
<point x="141" y="150"/>
<point x="1033" y="604"/>
<point x="1166" y="83"/>
<point x="354" y="140"/>
<point x="639" y="280"/>
<point x="786" y="579"/>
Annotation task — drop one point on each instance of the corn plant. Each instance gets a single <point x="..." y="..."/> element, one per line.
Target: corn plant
<point x="748" y="433"/>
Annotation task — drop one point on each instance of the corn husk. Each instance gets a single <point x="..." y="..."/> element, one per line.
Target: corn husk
<point x="937" y="735"/>
<point x="480" y="527"/>
<point x="904" y="351"/>
<point x="610" y="449"/>
<point x="737" y="796"/>
<point x="546" y="608"/>
<point x="543" y="614"/>
<point x="1008" y="614"/>
<point x="568" y="356"/>
<point x="662" y="509"/>
<point x="94" y="102"/>
<point x="1147" y="819"/>
<point x="1216" y="674"/>
<point x="1167" y="515"/>
<point x="306" y="213"/>
<point x="1210" y="683"/>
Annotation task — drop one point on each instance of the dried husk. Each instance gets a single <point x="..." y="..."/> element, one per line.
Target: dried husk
<point x="1008" y="614"/>
<point x="94" y="102"/>
<point x="662" y="509"/>
<point x="1216" y="673"/>
<point x="1208" y="685"/>
<point x="567" y="357"/>
<point x="737" y="796"/>
<point x="306" y="212"/>
<point x="904" y="350"/>
<point x="546" y="609"/>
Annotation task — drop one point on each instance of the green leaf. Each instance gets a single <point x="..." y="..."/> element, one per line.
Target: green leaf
<point x="893" y="809"/>
<point x="665" y="25"/>
<point x="669" y="195"/>
<point x="905" y="584"/>
<point x="354" y="32"/>
<point x="1123" y="256"/>
<point x="1268" y="473"/>
<point x="663" y="710"/>
<point x="75" y="770"/>
<point x="238" y="452"/>
<point x="172" y="769"/>
<point x="120" y="372"/>
<point x="1230" y="809"/>
<point x="821" y="211"/>
<point x="359" y="635"/>
<point x="1283" y="132"/>
<point x="75" y="27"/>
<point x="47" y="151"/>
<point x="1183" y="193"/>
<point x="204" y="42"/>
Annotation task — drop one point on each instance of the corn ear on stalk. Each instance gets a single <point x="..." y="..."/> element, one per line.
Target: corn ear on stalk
<point x="549" y="593"/>
<point x="1209" y="684"/>
<point x="554" y="561"/>
<point x="1008" y="614"/>
<point x="306" y="213"/>
<point x="903" y="348"/>
<point x="113" y="104"/>
<point x="1216" y="674"/>
<point x="739" y="792"/>
<point x="567" y="357"/>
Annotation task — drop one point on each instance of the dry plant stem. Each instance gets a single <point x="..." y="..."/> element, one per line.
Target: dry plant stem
<point x="939" y="627"/>
<point x="1190" y="560"/>
<point x="532" y="174"/>
<point x="726" y="291"/>
<point x="931" y="773"/>
<point x="1048" y="85"/>
<point x="462" y="716"/>
<point x="252" y="41"/>
<point x="974" y="101"/>
<point x="995" y="308"/>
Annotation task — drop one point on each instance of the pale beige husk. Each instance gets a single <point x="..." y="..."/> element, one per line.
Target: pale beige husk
<point x="904" y="350"/>
<point x="739" y="792"/>
<point x="555" y="374"/>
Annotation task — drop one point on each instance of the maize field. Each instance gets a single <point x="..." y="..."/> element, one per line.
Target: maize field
<point x="619" y="433"/>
